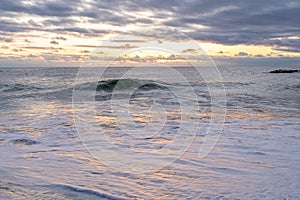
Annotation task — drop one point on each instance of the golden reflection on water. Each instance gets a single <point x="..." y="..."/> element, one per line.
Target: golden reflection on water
<point x="249" y="115"/>
<point x="85" y="158"/>
<point x="106" y="121"/>
<point x="3" y="129"/>
<point x="39" y="117"/>
<point x="233" y="114"/>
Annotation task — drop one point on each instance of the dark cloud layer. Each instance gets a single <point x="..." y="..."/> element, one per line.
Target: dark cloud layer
<point x="267" y="22"/>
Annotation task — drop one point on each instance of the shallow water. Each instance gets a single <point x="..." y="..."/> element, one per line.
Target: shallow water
<point x="44" y="157"/>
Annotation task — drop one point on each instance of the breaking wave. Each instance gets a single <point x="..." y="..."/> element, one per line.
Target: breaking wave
<point x="121" y="84"/>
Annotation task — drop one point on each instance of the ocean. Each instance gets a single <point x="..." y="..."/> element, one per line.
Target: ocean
<point x="65" y="136"/>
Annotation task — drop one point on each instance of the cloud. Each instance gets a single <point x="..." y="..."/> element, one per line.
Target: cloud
<point x="17" y="50"/>
<point x="58" y="22"/>
<point x="72" y="30"/>
<point x="125" y="46"/>
<point x="85" y="46"/>
<point x="4" y="47"/>
<point x="228" y="21"/>
<point x="242" y="54"/>
<point x="243" y="22"/>
<point x="59" y="38"/>
<point x="257" y="22"/>
<point x="148" y="58"/>
<point x="129" y="41"/>
<point x="192" y="51"/>
<point x="54" y="42"/>
<point x="6" y="39"/>
<point x="41" y="48"/>
<point x="11" y="26"/>
<point x="41" y="8"/>
<point x="259" y="56"/>
<point x="287" y="49"/>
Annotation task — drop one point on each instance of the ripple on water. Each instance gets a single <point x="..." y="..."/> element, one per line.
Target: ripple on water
<point x="22" y="142"/>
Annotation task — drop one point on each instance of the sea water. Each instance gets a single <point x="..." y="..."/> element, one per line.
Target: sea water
<point x="46" y="154"/>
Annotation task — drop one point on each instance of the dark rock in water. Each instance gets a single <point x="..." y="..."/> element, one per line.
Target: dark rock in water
<point x="277" y="71"/>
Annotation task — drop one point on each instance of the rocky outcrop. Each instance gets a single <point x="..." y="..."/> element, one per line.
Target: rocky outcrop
<point x="277" y="71"/>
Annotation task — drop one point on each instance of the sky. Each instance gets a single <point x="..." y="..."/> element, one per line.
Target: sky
<point x="70" y="33"/>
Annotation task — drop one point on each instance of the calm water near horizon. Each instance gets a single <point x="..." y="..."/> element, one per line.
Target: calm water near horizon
<point x="44" y="157"/>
